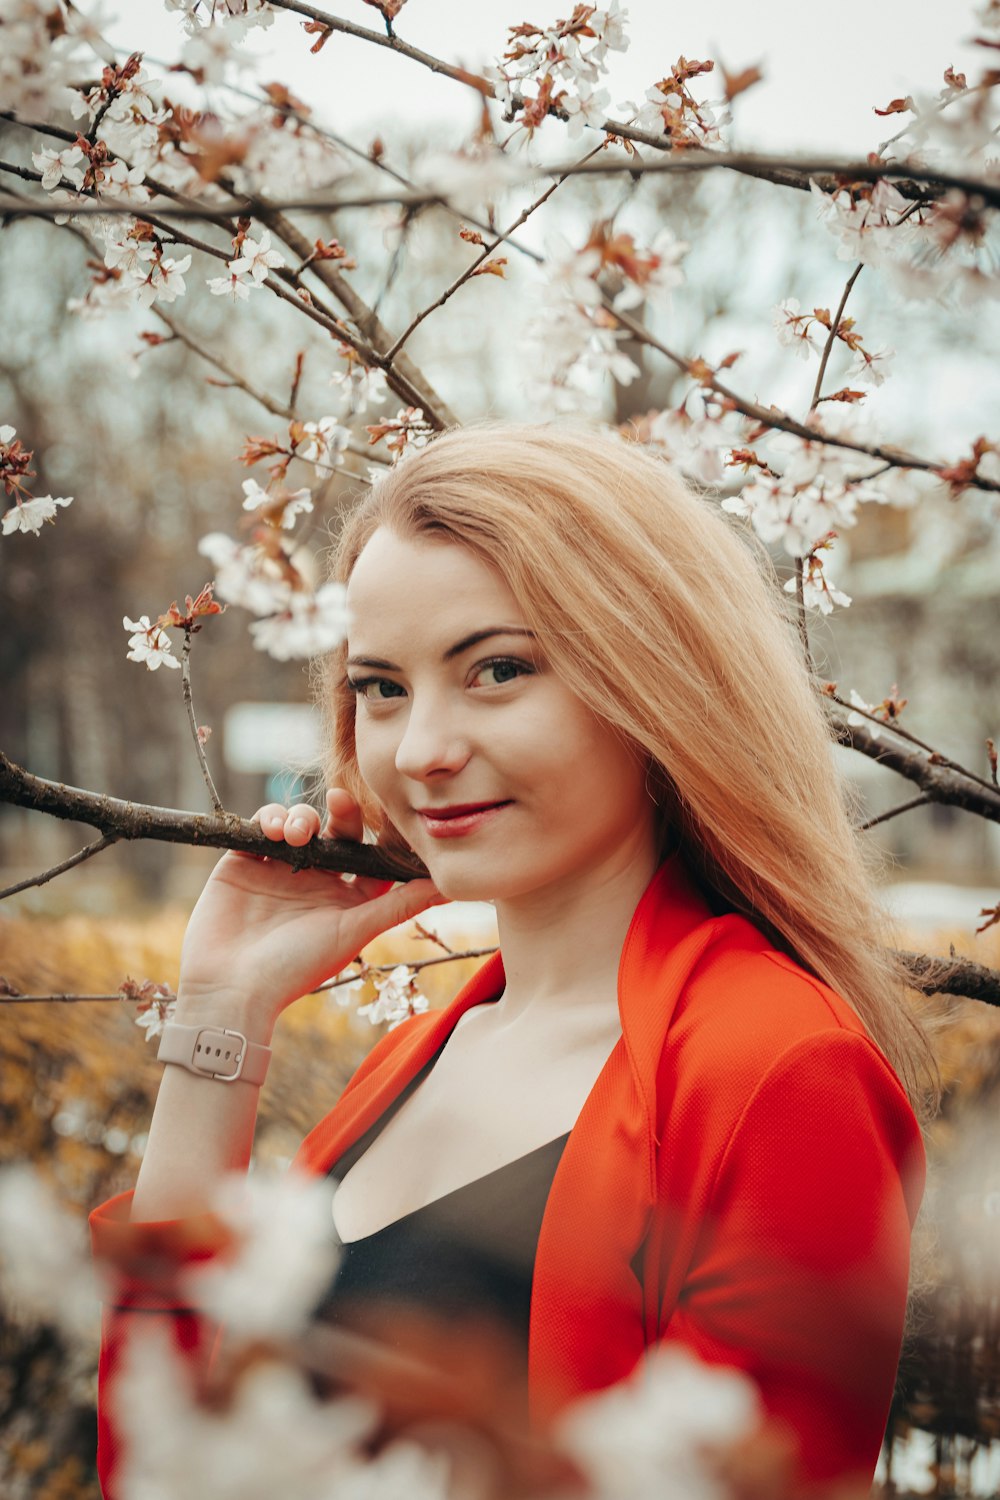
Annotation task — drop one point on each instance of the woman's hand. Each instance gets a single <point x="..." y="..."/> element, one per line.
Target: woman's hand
<point x="263" y="934"/>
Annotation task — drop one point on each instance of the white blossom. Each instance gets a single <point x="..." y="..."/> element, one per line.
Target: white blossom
<point x="153" y="1019"/>
<point x="257" y="258"/>
<point x="296" y="502"/>
<point x="149" y="643"/>
<point x="364" y="385"/>
<point x="855" y="719"/>
<point x="7" y="433"/>
<point x="55" y="165"/>
<point x="276" y="1438"/>
<point x="229" y="286"/>
<point x="572" y="272"/>
<point x="30" y="515"/>
<point x="164" y="281"/>
<point x="610" y="27"/>
<point x="795" y="329"/>
<point x="211" y="51"/>
<point x="245" y="575"/>
<point x="130" y="256"/>
<point x="818" y="589"/>
<point x="589" y="109"/>
<point x="327" y="441"/>
<point x="398" y="998"/>
<point x="870" y="366"/>
<point x="286" y="1253"/>
<point x="309" y="625"/>
<point x="125" y="184"/>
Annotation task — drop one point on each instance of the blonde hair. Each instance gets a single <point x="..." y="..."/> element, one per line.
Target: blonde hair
<point x="655" y="612"/>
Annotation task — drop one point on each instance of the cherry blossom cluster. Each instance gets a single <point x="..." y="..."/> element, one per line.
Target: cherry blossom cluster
<point x="41" y="51"/>
<point x="155" y="1004"/>
<point x="799" y="331"/>
<point x="398" y="997"/>
<point x="295" y="621"/>
<point x="948" y="248"/>
<point x="149" y="642"/>
<point x="249" y="268"/>
<point x="813" y="498"/>
<point x="574" y="335"/>
<point x="671" y="110"/>
<point x="403" y="433"/>
<point x="28" y="512"/>
<point x="889" y="711"/>
<point x="557" y="67"/>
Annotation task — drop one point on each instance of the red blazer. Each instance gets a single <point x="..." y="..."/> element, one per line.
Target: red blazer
<point x="742" y="1180"/>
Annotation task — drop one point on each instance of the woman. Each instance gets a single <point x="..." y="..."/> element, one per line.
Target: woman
<point x="569" y="689"/>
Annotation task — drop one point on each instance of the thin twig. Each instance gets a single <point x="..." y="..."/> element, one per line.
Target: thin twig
<point x="54" y="999"/>
<point x="894" y="812"/>
<point x="192" y="720"/>
<point x="79" y="858"/>
<point x="800" y="614"/>
<point x="832" y="335"/>
<point x="484" y="255"/>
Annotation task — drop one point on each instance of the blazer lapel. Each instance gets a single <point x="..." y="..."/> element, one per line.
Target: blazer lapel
<point x="588" y="1313"/>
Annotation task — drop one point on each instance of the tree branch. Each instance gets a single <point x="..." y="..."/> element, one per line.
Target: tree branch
<point x="79" y="858"/>
<point x="939" y="782"/>
<point x="962" y="978"/>
<point x="896" y="728"/>
<point x="133" y="820"/>
<point x="773" y="416"/>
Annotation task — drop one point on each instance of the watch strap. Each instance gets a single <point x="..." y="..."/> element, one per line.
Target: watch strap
<point x="217" y="1052"/>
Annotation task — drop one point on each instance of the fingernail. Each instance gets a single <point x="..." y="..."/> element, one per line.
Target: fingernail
<point x="298" y="823"/>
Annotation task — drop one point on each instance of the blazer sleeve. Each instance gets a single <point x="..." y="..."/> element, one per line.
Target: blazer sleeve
<point x="799" y="1274"/>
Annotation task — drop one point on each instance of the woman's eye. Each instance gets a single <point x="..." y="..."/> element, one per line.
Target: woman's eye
<point x="503" y="669"/>
<point x="371" y="688"/>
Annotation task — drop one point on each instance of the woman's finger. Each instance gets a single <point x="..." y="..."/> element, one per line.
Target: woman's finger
<point x="343" y="816"/>
<point x="301" y="824"/>
<point x="271" y="818"/>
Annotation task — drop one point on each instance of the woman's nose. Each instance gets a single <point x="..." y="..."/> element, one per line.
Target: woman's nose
<point x="432" y="744"/>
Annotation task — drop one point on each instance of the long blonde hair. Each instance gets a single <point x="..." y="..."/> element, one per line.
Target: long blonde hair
<point x="657" y="614"/>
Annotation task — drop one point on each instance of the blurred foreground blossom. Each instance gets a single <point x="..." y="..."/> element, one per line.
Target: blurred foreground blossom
<point x="648" y="1438"/>
<point x="286" y="1253"/>
<point x="275" y="1438"/>
<point x="311" y="625"/>
<point x="45" y="1275"/>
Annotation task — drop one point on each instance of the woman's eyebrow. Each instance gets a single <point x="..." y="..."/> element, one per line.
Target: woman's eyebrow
<point x="452" y="651"/>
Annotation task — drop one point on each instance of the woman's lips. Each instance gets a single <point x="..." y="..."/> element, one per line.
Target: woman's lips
<point x="449" y="823"/>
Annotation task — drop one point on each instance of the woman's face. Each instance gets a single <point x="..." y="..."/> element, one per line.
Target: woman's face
<point x="495" y="773"/>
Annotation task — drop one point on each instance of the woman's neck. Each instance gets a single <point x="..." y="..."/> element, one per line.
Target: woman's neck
<point x="562" y="945"/>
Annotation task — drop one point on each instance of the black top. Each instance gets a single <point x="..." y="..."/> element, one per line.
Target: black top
<point x="470" y="1252"/>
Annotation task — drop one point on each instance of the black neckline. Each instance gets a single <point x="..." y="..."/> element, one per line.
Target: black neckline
<point x="559" y="1140"/>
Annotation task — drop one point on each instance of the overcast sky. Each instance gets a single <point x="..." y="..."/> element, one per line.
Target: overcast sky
<point x="825" y="66"/>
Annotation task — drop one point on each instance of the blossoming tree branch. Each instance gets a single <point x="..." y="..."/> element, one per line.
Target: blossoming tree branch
<point x="194" y="171"/>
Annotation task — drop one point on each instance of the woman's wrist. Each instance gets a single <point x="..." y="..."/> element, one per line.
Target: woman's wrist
<point x="230" y="1011"/>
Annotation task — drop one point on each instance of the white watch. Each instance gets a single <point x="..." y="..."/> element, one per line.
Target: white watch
<point x="214" y="1052"/>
